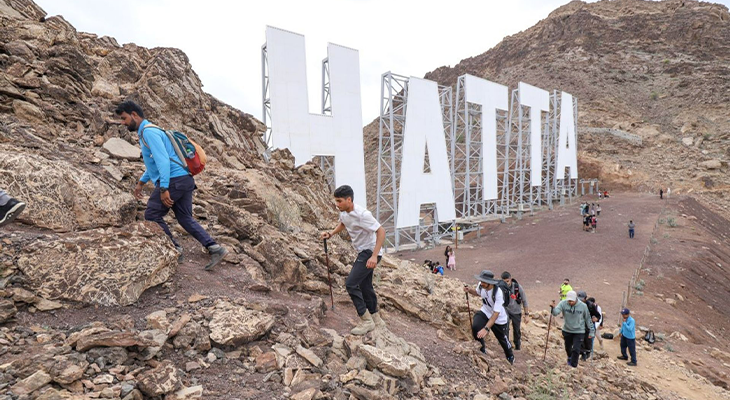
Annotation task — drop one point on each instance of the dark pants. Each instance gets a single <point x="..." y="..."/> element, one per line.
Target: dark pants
<point x="359" y="284"/>
<point x="631" y="344"/>
<point x="181" y="191"/>
<point x="516" y="320"/>
<point x="501" y="332"/>
<point x="587" y="346"/>
<point x="631" y="233"/>
<point x="573" y="343"/>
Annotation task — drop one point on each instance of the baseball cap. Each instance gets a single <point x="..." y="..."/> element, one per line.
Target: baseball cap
<point x="582" y="295"/>
<point x="625" y="311"/>
<point x="572" y="296"/>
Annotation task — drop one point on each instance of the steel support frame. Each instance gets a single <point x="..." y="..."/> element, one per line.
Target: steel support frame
<point x="266" y="101"/>
<point x="391" y="126"/>
<point x="327" y="163"/>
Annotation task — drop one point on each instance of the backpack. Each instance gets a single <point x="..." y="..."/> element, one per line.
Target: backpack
<point x="185" y="148"/>
<point x="518" y="293"/>
<point x="505" y="293"/>
<point x="649" y="337"/>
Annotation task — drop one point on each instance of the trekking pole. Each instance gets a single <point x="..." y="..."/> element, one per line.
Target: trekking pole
<point x="547" y="339"/>
<point x="468" y="308"/>
<point x="329" y="277"/>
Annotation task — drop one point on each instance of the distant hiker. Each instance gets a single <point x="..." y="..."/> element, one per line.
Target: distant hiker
<point x="596" y="317"/>
<point x="598" y="210"/>
<point x="605" y="194"/>
<point x="10" y="208"/>
<point x="594" y="223"/>
<point x="593" y="209"/>
<point x="600" y="194"/>
<point x="514" y="308"/>
<point x="438" y="269"/>
<point x="565" y="288"/>
<point x="428" y="265"/>
<point x="628" y="337"/>
<point x="446" y="254"/>
<point x="367" y="238"/>
<point x="661" y="194"/>
<point x="631" y="229"/>
<point x="583" y="209"/>
<point x="587" y="223"/>
<point x="577" y="322"/>
<point x="174" y="185"/>
<point x="451" y="264"/>
<point x="492" y="315"/>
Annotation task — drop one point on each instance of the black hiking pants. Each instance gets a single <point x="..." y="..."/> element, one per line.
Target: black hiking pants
<point x="573" y="343"/>
<point x="501" y="332"/>
<point x="516" y="320"/>
<point x="359" y="284"/>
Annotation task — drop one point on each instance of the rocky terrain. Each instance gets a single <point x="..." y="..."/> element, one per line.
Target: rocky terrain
<point x="93" y="303"/>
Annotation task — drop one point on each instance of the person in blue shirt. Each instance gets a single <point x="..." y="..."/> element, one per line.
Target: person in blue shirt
<point x="628" y="337"/>
<point x="174" y="185"/>
<point x="438" y="269"/>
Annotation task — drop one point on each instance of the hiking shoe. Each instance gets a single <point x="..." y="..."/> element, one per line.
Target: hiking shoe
<point x="181" y="257"/>
<point x="379" y="323"/>
<point x="631" y="364"/>
<point x="517" y="347"/>
<point x="622" y="358"/>
<point x="511" y="360"/>
<point x="366" y="325"/>
<point x="217" y="252"/>
<point x="10" y="211"/>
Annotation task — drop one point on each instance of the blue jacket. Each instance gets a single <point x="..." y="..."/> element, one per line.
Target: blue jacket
<point x="157" y="157"/>
<point x="628" y="328"/>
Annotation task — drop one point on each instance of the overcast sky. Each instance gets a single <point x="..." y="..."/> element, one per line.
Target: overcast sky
<point x="223" y="38"/>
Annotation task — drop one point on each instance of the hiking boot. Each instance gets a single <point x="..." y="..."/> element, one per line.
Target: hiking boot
<point x="622" y="358"/>
<point x="379" y="323"/>
<point x="483" y="348"/>
<point x="10" y="211"/>
<point x="511" y="360"/>
<point x="181" y="257"/>
<point x="631" y="364"/>
<point x="517" y="347"/>
<point x="366" y="325"/>
<point x="217" y="252"/>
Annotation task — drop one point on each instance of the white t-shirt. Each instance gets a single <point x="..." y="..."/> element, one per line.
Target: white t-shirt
<point x="488" y="308"/>
<point x="361" y="225"/>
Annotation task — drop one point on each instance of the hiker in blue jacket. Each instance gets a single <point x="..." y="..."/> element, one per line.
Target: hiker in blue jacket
<point x="628" y="337"/>
<point x="174" y="185"/>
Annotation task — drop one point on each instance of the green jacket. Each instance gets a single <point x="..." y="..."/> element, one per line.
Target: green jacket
<point x="577" y="317"/>
<point x="564" y="289"/>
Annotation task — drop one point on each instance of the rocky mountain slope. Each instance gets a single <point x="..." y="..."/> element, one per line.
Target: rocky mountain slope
<point x="657" y="69"/>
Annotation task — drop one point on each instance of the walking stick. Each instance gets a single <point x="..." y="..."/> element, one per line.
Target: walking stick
<point x="548" y="333"/>
<point x="329" y="277"/>
<point x="468" y="308"/>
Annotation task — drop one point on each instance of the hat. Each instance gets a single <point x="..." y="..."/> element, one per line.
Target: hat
<point x="625" y="311"/>
<point x="582" y="295"/>
<point x="487" y="277"/>
<point x="571" y="296"/>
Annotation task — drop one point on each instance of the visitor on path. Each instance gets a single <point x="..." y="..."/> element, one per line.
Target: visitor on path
<point x="492" y="315"/>
<point x="514" y="308"/>
<point x="585" y="209"/>
<point x="661" y="194"/>
<point x="10" y="208"/>
<point x="451" y="264"/>
<point x="593" y="209"/>
<point x="174" y="185"/>
<point x="628" y="337"/>
<point x="564" y="289"/>
<point x="632" y="226"/>
<point x="367" y="238"/>
<point x="582" y="209"/>
<point x="605" y="194"/>
<point x="577" y="322"/>
<point x="596" y="317"/>
<point x="446" y="254"/>
<point x="587" y="223"/>
<point x="598" y="210"/>
<point x="594" y="223"/>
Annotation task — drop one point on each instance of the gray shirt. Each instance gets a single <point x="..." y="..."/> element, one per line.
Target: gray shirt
<point x="513" y="308"/>
<point x="631" y="225"/>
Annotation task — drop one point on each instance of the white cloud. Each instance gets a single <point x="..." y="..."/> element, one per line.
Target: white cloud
<point x="223" y="38"/>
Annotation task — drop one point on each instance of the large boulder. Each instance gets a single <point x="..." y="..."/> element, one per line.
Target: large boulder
<point x="232" y="324"/>
<point x="60" y="196"/>
<point x="160" y="380"/>
<point x="102" y="266"/>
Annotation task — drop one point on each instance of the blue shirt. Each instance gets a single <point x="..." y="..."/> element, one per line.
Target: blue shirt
<point x="439" y="270"/>
<point x="628" y="328"/>
<point x="157" y="157"/>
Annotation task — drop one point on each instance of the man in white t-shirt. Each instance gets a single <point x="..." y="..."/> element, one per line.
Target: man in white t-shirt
<point x="367" y="237"/>
<point x="492" y="315"/>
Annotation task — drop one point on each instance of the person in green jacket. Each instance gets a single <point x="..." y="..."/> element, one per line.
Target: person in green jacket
<point x="577" y="323"/>
<point x="564" y="289"/>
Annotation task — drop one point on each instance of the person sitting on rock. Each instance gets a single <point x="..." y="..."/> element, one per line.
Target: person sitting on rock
<point x="174" y="185"/>
<point x="577" y="322"/>
<point x="438" y="269"/>
<point x="492" y="315"/>
<point x="10" y="208"/>
<point x="367" y="238"/>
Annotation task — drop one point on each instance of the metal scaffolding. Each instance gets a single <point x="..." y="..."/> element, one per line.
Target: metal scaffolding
<point x="266" y="98"/>
<point x="391" y="124"/>
<point x="327" y="163"/>
<point x="467" y="159"/>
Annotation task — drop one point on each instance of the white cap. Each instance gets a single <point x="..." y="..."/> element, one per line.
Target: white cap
<point x="572" y="296"/>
